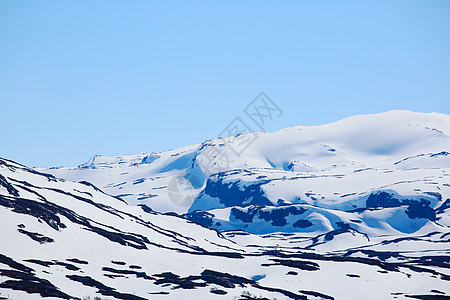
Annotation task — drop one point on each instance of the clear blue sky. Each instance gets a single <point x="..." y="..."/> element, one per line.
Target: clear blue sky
<point x="79" y="78"/>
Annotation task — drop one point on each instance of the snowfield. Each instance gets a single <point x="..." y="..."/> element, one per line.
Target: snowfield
<point x="330" y="172"/>
<point x="356" y="209"/>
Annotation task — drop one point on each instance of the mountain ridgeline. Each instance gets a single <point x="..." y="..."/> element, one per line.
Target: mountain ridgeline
<point x="362" y="203"/>
<point x="392" y="167"/>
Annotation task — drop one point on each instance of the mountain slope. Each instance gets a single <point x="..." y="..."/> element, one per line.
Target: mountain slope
<point x="67" y="240"/>
<point x="386" y="173"/>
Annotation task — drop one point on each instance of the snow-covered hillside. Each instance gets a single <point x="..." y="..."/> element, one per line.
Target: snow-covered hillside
<point x="386" y="173"/>
<point x="68" y="240"/>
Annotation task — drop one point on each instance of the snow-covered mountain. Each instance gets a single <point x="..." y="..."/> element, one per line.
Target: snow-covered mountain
<point x="376" y="174"/>
<point x="69" y="240"/>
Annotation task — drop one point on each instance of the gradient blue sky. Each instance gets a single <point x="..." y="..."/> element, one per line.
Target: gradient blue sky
<point x="79" y="78"/>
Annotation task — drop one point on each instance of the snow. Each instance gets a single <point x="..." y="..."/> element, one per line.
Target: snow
<point x="321" y="174"/>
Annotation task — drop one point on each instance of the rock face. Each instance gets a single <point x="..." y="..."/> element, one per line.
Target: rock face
<point x="230" y="193"/>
